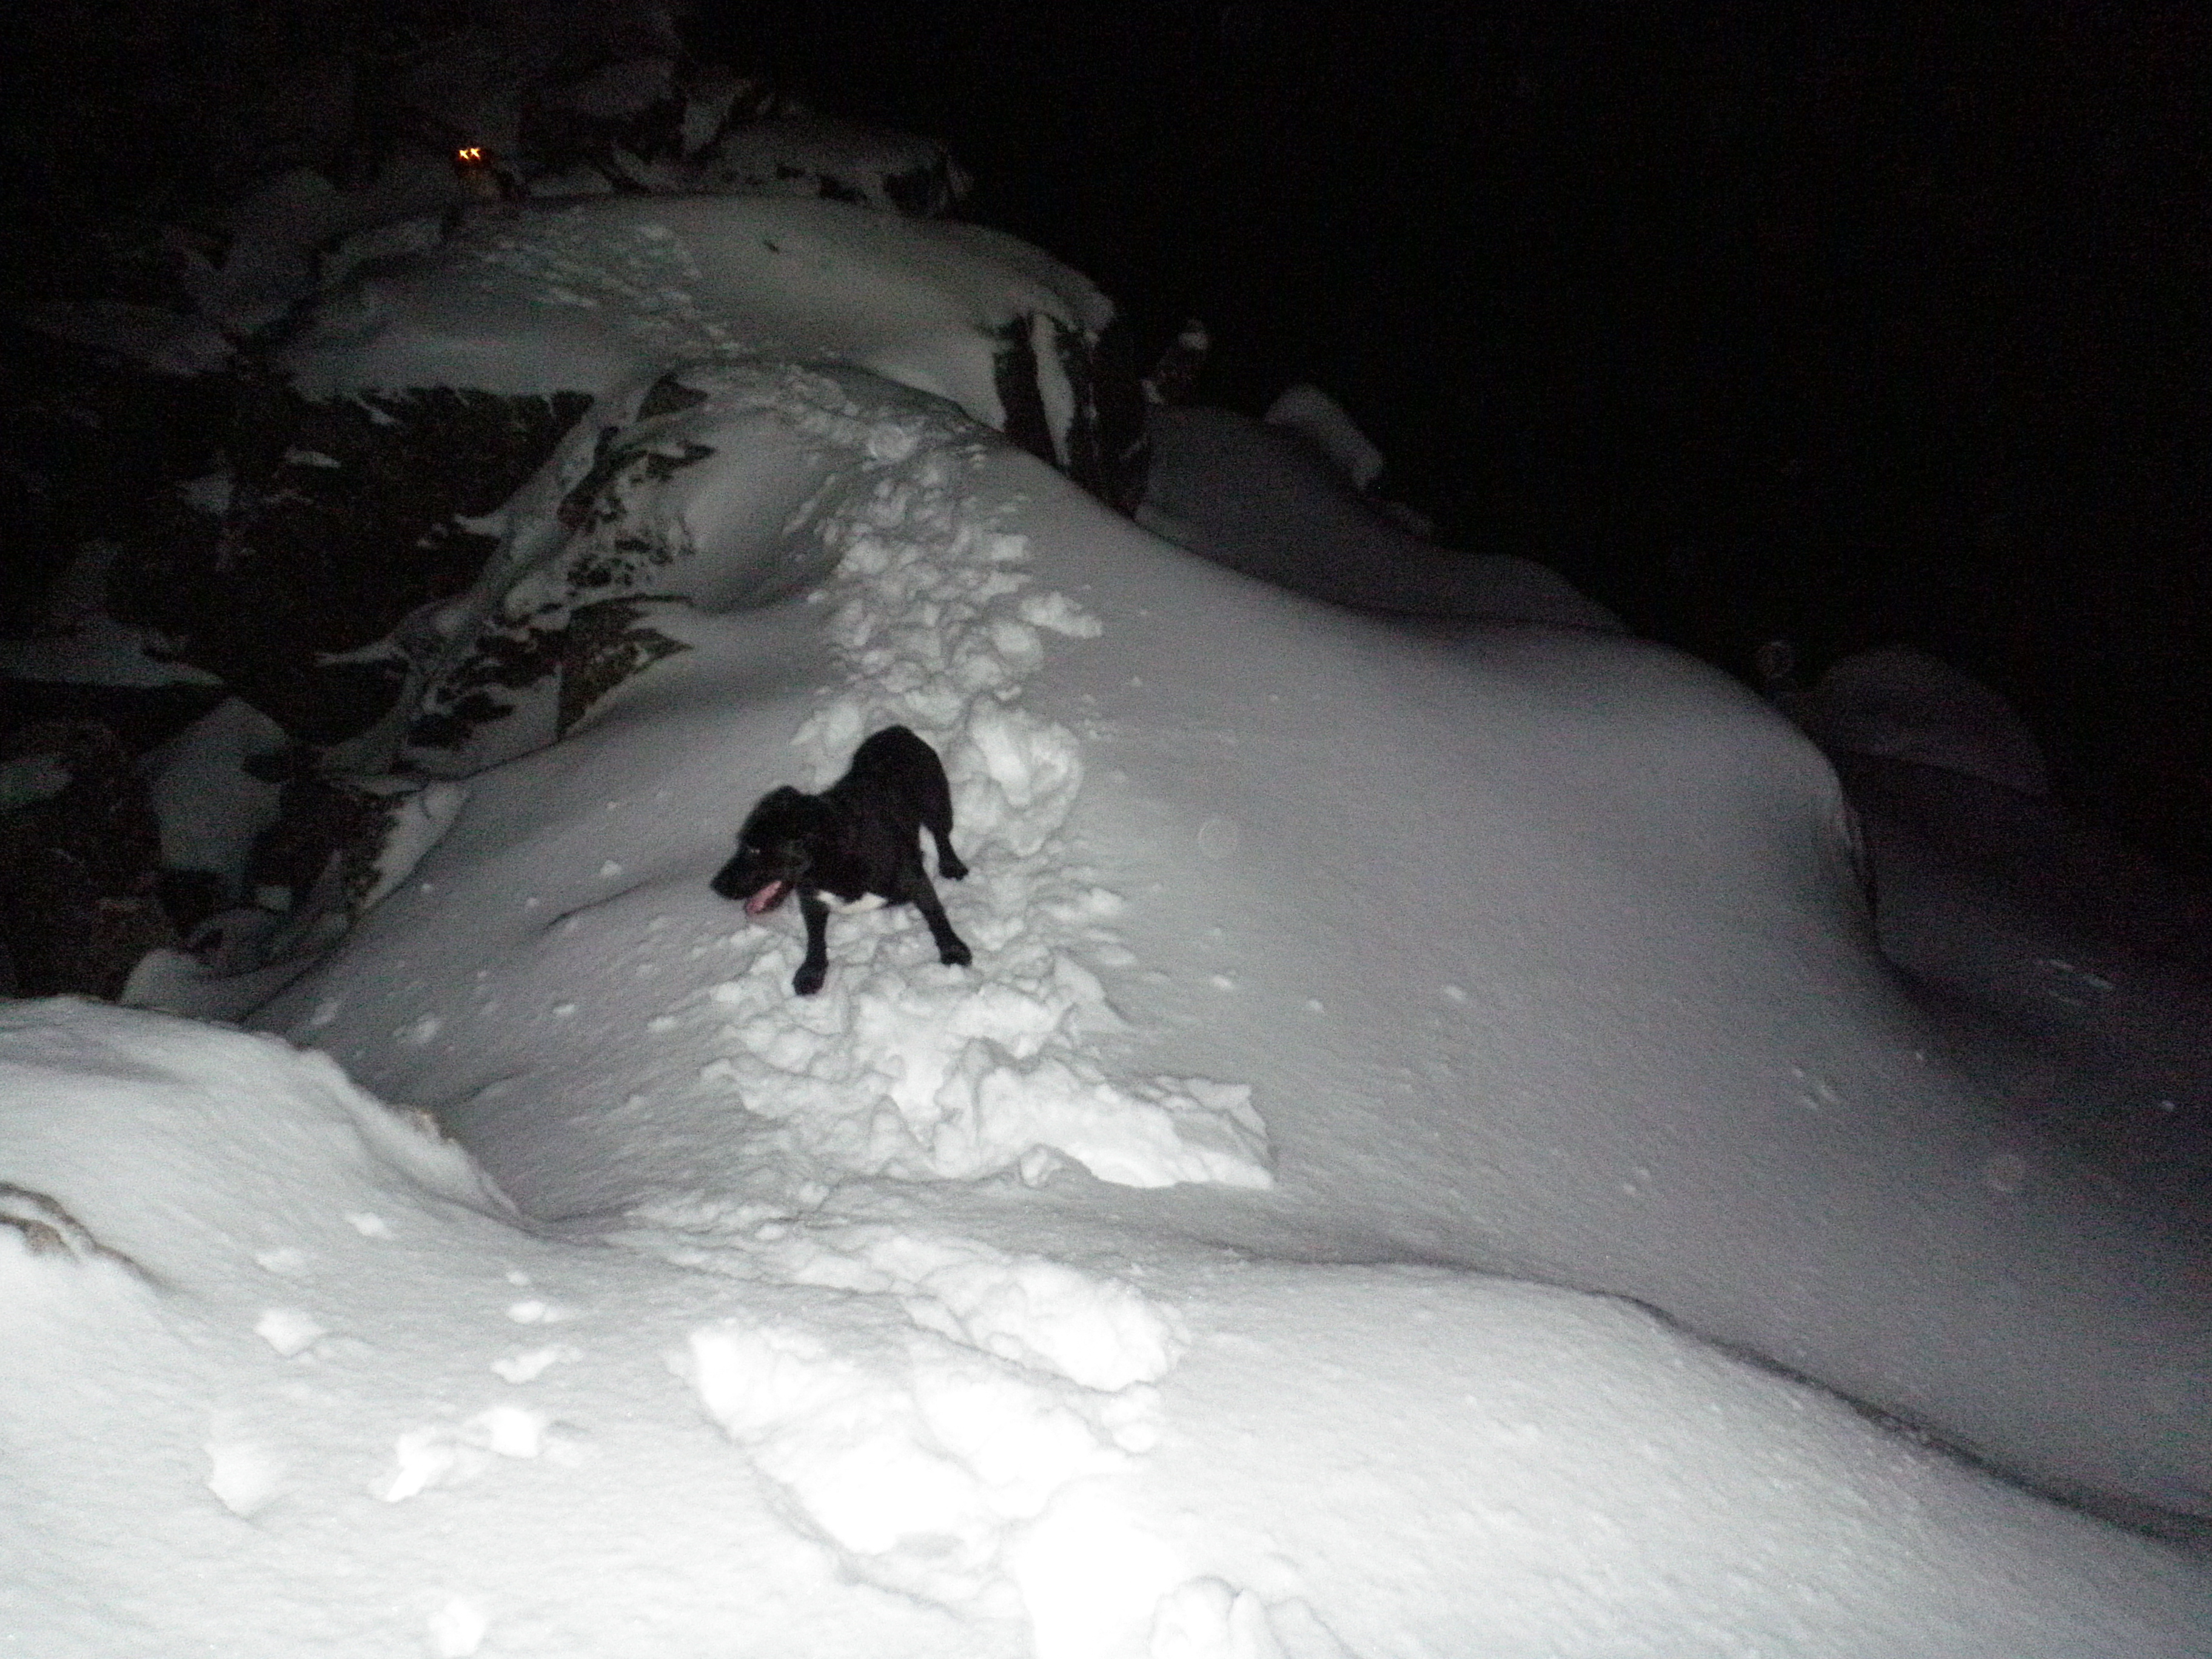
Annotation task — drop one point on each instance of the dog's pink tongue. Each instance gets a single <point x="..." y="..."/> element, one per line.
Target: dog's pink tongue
<point x="766" y="900"/>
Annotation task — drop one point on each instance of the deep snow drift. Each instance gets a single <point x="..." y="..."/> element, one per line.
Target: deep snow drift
<point x="1218" y="1268"/>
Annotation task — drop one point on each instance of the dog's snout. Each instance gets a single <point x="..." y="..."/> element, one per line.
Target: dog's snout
<point x="730" y="881"/>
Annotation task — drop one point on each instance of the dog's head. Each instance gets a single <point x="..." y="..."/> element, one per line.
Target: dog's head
<point x="778" y="846"/>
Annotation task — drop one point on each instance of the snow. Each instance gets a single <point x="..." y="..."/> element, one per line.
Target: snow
<point x="815" y="155"/>
<point x="210" y="805"/>
<point x="1310" y="411"/>
<point x="1425" y="1159"/>
<point x="587" y="295"/>
<point x="1294" y="515"/>
<point x="1906" y="705"/>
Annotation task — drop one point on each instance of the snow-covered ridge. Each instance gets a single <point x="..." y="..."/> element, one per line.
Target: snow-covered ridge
<point x="777" y="476"/>
<point x="327" y="1297"/>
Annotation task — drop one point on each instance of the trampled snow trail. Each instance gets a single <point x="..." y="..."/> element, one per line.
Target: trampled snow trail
<point x="928" y="1073"/>
<point x="931" y="1455"/>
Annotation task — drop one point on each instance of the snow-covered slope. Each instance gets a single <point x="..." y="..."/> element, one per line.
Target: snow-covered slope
<point x="287" y="1379"/>
<point x="1419" y="1111"/>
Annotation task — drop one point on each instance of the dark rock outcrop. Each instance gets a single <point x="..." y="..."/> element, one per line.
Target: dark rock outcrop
<point x="345" y="516"/>
<point x="79" y="853"/>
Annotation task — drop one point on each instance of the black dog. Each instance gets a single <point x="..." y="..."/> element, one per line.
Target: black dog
<point x="860" y="836"/>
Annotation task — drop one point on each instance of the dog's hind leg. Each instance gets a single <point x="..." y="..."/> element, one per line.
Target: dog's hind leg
<point x="816" y="966"/>
<point x="949" y="863"/>
<point x="935" y="804"/>
<point x="950" y="948"/>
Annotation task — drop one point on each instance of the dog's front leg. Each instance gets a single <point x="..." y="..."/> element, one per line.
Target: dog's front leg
<point x="815" y="967"/>
<point x="951" y="949"/>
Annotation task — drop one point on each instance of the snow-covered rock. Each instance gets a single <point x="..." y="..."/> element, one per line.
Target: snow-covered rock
<point x="213" y="792"/>
<point x="1904" y="704"/>
<point x="599" y="296"/>
<point x="817" y="155"/>
<point x="1268" y="498"/>
<point x="1311" y="412"/>
<point x="463" y="464"/>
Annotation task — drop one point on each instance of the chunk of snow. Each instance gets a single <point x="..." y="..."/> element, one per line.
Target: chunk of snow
<point x="210" y="805"/>
<point x="289" y="1331"/>
<point x="245" y="1475"/>
<point x="458" y="1628"/>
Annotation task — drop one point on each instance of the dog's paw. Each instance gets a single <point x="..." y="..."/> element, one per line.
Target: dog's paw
<point x="956" y="956"/>
<point x="951" y="869"/>
<point x="808" y="980"/>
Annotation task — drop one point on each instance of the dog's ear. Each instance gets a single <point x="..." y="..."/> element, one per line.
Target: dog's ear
<point x="776" y="803"/>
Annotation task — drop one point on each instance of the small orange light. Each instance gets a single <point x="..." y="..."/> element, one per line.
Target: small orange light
<point x="469" y="155"/>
